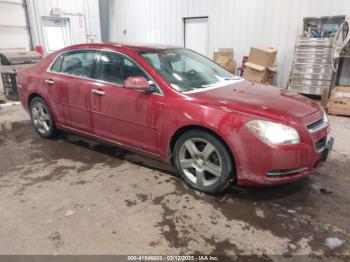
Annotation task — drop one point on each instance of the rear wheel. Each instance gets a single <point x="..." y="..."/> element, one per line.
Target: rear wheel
<point x="41" y="118"/>
<point x="203" y="161"/>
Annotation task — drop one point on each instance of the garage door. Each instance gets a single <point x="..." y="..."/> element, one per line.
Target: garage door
<point x="13" y="26"/>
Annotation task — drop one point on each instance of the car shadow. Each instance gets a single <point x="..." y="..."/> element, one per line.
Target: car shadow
<point x="268" y="193"/>
<point x="299" y="187"/>
<point x="119" y="153"/>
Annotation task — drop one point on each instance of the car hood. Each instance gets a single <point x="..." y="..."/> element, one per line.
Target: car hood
<point x="258" y="99"/>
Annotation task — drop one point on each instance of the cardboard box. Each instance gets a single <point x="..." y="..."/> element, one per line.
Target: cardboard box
<point x="263" y="56"/>
<point x="339" y="101"/>
<point x="257" y="75"/>
<point x="225" y="58"/>
<point x="230" y="66"/>
<point x="261" y="65"/>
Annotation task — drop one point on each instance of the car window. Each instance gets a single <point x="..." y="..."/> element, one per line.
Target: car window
<point x="186" y="70"/>
<point x="111" y="67"/>
<point x="183" y="64"/>
<point x="133" y="69"/>
<point x="56" y="67"/>
<point x="115" y="68"/>
<point x="153" y="59"/>
<point x="77" y="63"/>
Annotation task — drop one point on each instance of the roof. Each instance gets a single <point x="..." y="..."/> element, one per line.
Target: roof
<point x="140" y="46"/>
<point x="133" y="47"/>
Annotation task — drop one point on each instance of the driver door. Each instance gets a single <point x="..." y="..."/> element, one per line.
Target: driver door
<point x="127" y="116"/>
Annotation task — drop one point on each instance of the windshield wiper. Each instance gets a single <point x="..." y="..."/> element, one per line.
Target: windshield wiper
<point x="220" y="82"/>
<point x="194" y="88"/>
<point x="232" y="78"/>
<point x="209" y="85"/>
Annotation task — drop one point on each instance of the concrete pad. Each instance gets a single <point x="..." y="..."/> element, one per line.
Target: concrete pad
<point x="75" y="196"/>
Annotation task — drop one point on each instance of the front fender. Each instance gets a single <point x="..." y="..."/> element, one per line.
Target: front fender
<point x="181" y="116"/>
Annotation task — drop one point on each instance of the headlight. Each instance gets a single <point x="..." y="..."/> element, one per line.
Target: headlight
<point x="274" y="133"/>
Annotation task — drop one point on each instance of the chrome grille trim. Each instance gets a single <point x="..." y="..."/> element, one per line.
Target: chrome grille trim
<point x="286" y="172"/>
<point x="316" y="125"/>
<point x="320" y="144"/>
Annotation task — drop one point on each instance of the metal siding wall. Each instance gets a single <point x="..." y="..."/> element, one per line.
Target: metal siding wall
<point x="40" y="8"/>
<point x="232" y="23"/>
<point x="13" y="31"/>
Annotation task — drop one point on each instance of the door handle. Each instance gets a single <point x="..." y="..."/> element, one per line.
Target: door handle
<point x="49" y="81"/>
<point x="98" y="92"/>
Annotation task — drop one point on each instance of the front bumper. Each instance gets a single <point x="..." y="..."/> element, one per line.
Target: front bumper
<point x="328" y="148"/>
<point x="262" y="164"/>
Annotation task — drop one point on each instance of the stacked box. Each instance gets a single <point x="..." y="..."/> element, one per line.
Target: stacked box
<point x="339" y="101"/>
<point x="260" y="65"/>
<point x="225" y="58"/>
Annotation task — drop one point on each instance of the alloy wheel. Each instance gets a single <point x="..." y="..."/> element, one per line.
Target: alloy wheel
<point x="200" y="162"/>
<point x="41" y="118"/>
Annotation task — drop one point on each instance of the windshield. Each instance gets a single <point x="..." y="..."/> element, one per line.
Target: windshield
<point x="186" y="70"/>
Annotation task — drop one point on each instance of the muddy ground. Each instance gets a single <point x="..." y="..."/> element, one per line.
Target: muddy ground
<point x="74" y="196"/>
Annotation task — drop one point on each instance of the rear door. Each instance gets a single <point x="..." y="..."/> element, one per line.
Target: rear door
<point x="69" y="84"/>
<point x="126" y="115"/>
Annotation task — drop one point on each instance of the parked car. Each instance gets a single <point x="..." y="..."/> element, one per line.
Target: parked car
<point x="180" y="107"/>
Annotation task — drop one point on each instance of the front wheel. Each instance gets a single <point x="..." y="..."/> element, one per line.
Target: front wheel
<point x="203" y="161"/>
<point x="41" y="118"/>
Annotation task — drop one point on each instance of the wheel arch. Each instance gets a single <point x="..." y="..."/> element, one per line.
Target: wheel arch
<point x="32" y="96"/>
<point x="187" y="128"/>
<point x="36" y="94"/>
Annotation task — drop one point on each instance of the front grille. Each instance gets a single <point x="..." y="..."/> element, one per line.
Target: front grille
<point x="316" y="125"/>
<point x="321" y="143"/>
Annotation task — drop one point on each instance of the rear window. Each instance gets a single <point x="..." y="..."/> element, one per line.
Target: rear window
<point x="56" y="67"/>
<point x="77" y="63"/>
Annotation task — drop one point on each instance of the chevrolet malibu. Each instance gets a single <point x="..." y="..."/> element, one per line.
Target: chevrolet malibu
<point x="180" y="107"/>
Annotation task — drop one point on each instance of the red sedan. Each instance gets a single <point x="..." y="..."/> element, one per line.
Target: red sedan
<point x="178" y="106"/>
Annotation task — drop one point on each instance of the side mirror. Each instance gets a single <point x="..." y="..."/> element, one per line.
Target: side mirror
<point x="139" y="83"/>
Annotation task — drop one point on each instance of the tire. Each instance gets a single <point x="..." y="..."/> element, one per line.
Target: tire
<point x="41" y="117"/>
<point x="203" y="161"/>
